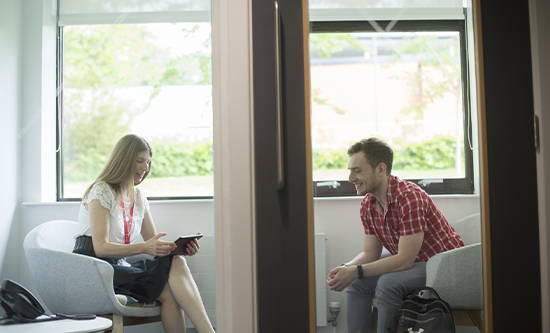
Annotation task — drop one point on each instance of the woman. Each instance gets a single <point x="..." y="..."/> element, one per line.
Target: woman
<point x="113" y="214"/>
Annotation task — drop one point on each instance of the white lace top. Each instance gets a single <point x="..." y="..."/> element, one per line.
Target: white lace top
<point x="110" y="200"/>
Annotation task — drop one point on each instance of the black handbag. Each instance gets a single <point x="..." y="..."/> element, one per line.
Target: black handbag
<point x="419" y="314"/>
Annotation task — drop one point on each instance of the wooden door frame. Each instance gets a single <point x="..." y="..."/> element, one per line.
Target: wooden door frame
<point x="483" y="170"/>
<point x="508" y="175"/>
<point x="233" y="166"/>
<point x="539" y="10"/>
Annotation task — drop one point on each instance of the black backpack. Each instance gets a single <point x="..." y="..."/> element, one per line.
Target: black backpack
<point x="419" y="314"/>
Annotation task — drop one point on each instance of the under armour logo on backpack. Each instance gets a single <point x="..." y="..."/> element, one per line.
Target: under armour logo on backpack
<point x="420" y="330"/>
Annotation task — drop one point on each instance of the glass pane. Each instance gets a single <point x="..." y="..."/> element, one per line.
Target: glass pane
<point x="150" y="79"/>
<point x="375" y="10"/>
<point x="424" y="4"/>
<point x="403" y="87"/>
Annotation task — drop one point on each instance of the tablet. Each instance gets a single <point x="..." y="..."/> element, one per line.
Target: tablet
<point x="182" y="242"/>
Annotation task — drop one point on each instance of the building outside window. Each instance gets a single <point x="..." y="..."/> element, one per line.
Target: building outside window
<point x="401" y="80"/>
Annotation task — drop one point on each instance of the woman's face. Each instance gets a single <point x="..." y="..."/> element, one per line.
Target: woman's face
<point x="143" y="161"/>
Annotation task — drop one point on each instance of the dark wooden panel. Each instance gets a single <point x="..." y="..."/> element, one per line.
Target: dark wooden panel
<point x="281" y="216"/>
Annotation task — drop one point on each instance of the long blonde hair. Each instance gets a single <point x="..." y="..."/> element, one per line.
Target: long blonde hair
<point x="119" y="168"/>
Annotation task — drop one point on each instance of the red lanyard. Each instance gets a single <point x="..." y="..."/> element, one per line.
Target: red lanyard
<point x="127" y="225"/>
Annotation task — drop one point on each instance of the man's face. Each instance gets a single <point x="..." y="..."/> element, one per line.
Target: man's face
<point x="362" y="175"/>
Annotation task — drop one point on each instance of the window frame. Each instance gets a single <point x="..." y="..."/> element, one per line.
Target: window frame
<point x="59" y="133"/>
<point x="342" y="188"/>
<point x="59" y="116"/>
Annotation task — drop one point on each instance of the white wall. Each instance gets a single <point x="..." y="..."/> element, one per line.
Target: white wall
<point x="32" y="94"/>
<point x="11" y="12"/>
<point x="233" y="177"/>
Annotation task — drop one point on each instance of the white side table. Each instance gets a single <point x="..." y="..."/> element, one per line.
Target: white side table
<point x="59" y="326"/>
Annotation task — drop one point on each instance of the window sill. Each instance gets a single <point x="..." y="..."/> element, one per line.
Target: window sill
<point x="437" y="196"/>
<point x="151" y="202"/>
<point x="194" y="201"/>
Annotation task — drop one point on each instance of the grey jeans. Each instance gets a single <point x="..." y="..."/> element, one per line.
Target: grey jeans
<point x="389" y="290"/>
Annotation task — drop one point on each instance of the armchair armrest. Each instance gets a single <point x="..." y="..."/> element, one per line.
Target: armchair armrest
<point x="457" y="277"/>
<point x="71" y="283"/>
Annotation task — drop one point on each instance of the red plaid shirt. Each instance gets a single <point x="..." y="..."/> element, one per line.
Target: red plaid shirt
<point x="409" y="210"/>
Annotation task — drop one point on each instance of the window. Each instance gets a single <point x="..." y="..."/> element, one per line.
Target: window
<point x="139" y="67"/>
<point x="403" y="81"/>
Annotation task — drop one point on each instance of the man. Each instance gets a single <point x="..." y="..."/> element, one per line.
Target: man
<point x="399" y="216"/>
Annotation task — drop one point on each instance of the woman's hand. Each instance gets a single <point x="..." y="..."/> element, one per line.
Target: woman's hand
<point x="157" y="247"/>
<point x="193" y="247"/>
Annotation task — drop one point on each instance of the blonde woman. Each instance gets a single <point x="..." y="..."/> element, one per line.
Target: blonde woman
<point x="113" y="213"/>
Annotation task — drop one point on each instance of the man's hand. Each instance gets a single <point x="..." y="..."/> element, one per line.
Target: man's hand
<point x="341" y="277"/>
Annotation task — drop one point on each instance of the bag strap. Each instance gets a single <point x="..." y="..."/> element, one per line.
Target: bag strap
<point x="426" y="288"/>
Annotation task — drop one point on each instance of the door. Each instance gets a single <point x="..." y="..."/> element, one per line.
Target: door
<point x="283" y="180"/>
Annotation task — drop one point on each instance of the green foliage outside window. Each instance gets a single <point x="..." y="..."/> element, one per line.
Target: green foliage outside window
<point x="181" y="159"/>
<point x="170" y="159"/>
<point x="186" y="159"/>
<point x="435" y="154"/>
<point x="92" y="136"/>
<point x="99" y="63"/>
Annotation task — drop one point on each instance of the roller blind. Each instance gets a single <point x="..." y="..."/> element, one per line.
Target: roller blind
<point x="361" y="10"/>
<point x="78" y="12"/>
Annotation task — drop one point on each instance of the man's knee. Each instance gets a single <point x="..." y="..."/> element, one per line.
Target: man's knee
<point x="363" y="287"/>
<point x="392" y="287"/>
<point x="389" y="289"/>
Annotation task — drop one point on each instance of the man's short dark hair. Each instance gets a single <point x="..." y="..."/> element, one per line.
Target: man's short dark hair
<point x="376" y="151"/>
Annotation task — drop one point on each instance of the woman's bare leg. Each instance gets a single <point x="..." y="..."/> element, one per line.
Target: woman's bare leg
<point x="187" y="295"/>
<point x="171" y="313"/>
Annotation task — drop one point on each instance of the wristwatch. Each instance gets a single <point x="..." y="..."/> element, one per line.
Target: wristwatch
<point x="360" y="271"/>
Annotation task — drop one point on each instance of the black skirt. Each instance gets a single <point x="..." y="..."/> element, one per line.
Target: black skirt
<point x="144" y="280"/>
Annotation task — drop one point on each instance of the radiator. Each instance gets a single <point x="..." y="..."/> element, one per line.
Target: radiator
<point x="321" y="278"/>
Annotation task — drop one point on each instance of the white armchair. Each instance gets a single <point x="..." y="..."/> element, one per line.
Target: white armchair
<point x="72" y="283"/>
<point x="456" y="275"/>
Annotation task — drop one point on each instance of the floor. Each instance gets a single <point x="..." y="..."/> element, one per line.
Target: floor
<point x="466" y="329"/>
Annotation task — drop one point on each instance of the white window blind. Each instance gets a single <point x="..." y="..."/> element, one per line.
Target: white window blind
<point x="375" y="10"/>
<point x="79" y="12"/>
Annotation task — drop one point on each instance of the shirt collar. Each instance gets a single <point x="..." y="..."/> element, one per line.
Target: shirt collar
<point x="391" y="196"/>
